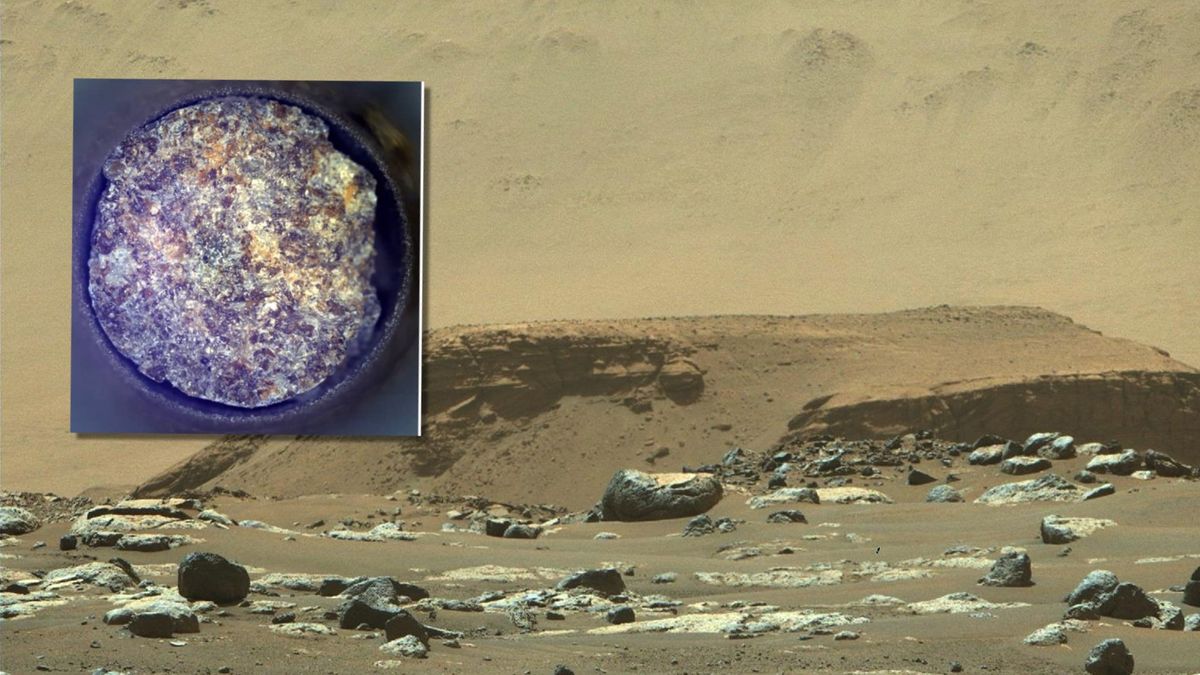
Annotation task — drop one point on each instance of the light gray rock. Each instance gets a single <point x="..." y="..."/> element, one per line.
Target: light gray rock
<point x="991" y="454"/>
<point x="1122" y="464"/>
<point x="1062" y="530"/>
<point x="1048" y="488"/>
<point x="408" y="646"/>
<point x="1047" y="636"/>
<point x="1020" y="466"/>
<point x="792" y="495"/>
<point x="943" y="494"/>
<point x="1062" y="447"/>
<point x="15" y="520"/>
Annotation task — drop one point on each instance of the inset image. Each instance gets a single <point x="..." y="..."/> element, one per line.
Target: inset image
<point x="247" y="257"/>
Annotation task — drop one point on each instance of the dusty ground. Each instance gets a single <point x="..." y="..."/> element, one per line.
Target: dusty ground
<point x="1151" y="545"/>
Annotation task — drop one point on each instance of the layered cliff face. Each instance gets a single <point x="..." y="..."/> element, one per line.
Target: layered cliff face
<point x="479" y="374"/>
<point x="1141" y="409"/>
<point x="546" y="412"/>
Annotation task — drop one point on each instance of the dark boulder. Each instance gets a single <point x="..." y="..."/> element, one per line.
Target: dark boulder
<point x="1110" y="657"/>
<point x="403" y="623"/>
<point x="1128" y="601"/>
<point x="208" y="576"/>
<point x="1191" y="590"/>
<point x="606" y="581"/>
<point x="620" y="614"/>
<point x="916" y="477"/>
<point x="633" y="496"/>
<point x="1010" y="569"/>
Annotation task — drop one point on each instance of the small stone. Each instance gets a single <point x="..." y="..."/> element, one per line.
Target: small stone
<point x="1103" y="490"/>
<point x="67" y="542"/>
<point x="846" y="635"/>
<point x="560" y="669"/>
<point x="620" y="614"/>
<point x="664" y="578"/>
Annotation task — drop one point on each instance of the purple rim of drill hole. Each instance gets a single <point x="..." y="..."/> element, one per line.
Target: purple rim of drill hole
<point x="186" y="414"/>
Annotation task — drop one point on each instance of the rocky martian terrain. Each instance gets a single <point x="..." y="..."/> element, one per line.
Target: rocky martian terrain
<point x="978" y="490"/>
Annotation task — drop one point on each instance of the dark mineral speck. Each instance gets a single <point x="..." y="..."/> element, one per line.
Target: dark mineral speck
<point x="232" y="251"/>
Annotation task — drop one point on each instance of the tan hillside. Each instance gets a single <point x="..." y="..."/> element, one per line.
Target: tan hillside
<point x="529" y="412"/>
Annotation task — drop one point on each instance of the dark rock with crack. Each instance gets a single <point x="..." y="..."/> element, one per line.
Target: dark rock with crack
<point x="634" y="496"/>
<point x="208" y="576"/>
<point x="232" y="252"/>
<point x="1110" y="657"/>
<point x="1010" y="569"/>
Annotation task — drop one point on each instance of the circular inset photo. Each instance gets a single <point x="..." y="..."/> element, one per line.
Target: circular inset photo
<point x="245" y="257"/>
